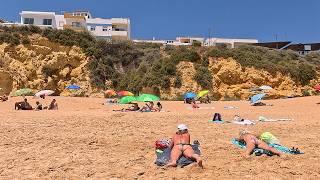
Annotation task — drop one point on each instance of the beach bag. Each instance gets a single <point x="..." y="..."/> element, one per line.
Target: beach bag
<point x="217" y="117"/>
<point x="269" y="138"/>
<point x="162" y="144"/>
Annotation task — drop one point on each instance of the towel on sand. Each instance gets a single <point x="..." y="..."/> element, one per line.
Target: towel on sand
<point x="163" y="157"/>
<point x="244" y="122"/>
<point x="259" y="151"/>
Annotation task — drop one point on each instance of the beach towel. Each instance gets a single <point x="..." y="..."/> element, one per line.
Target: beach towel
<point x="222" y="121"/>
<point x="244" y="122"/>
<point x="163" y="156"/>
<point x="264" y="119"/>
<point x="230" y="107"/>
<point x="259" y="151"/>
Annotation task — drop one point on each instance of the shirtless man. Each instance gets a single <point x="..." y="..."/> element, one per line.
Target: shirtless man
<point x="180" y="145"/>
<point x="252" y="142"/>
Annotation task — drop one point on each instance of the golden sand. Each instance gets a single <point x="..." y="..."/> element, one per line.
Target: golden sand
<point x="84" y="139"/>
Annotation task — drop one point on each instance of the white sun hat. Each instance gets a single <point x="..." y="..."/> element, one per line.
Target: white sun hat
<point x="182" y="127"/>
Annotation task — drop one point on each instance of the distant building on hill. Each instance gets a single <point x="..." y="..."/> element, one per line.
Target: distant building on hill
<point x="274" y="45"/>
<point x="113" y="29"/>
<point x="187" y="41"/>
<point x="302" y="49"/>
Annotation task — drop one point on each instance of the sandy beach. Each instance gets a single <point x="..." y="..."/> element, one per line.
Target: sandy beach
<point x="85" y="139"/>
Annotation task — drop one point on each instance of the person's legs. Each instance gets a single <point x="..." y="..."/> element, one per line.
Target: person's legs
<point x="189" y="153"/>
<point x="175" y="155"/>
<point x="265" y="146"/>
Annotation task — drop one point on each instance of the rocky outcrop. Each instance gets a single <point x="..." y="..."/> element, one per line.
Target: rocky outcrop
<point x="231" y="81"/>
<point x="48" y="65"/>
<point x="44" y="65"/>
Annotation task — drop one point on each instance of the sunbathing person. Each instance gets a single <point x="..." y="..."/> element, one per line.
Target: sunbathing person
<point x="180" y="145"/>
<point x="133" y="107"/>
<point x="38" y="106"/>
<point x="253" y="142"/>
<point x="3" y="98"/>
<point x="194" y="104"/>
<point x="149" y="107"/>
<point x="53" y="105"/>
<point x="159" y="108"/>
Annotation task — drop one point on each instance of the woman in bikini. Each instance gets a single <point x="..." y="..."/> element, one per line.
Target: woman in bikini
<point x="180" y="145"/>
<point x="252" y="142"/>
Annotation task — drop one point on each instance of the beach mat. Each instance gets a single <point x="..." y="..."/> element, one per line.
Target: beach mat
<point x="163" y="157"/>
<point x="259" y="151"/>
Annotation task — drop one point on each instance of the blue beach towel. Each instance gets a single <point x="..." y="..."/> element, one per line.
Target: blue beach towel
<point x="259" y="151"/>
<point x="163" y="157"/>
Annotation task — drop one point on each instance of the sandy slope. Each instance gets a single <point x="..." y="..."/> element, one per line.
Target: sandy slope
<point x="85" y="139"/>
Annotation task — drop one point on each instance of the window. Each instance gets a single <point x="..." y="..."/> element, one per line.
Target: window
<point x="92" y="28"/>
<point x="28" y="21"/>
<point x="76" y="24"/>
<point x="105" y="28"/>
<point x="47" y="21"/>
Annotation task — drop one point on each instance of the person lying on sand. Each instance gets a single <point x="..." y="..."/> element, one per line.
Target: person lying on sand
<point x="253" y="142"/>
<point x="133" y="107"/>
<point x="180" y="145"/>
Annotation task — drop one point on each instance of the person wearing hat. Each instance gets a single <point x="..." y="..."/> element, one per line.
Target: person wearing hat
<point x="180" y="146"/>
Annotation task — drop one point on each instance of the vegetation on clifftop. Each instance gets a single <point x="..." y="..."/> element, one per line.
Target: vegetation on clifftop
<point x="133" y="66"/>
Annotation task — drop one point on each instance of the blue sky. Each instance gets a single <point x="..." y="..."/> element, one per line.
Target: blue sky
<point x="295" y="20"/>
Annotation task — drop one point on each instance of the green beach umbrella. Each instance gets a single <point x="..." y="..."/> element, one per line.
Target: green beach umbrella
<point x="203" y="93"/>
<point x="23" y="92"/>
<point x="147" y="97"/>
<point x="127" y="99"/>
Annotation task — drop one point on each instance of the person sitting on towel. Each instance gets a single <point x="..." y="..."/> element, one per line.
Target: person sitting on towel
<point x="180" y="145"/>
<point x="38" y="106"/>
<point x="159" y="108"/>
<point x="148" y="107"/>
<point x="253" y="142"/>
<point x="53" y="105"/>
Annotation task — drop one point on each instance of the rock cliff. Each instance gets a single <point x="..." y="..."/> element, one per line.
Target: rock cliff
<point x="47" y="65"/>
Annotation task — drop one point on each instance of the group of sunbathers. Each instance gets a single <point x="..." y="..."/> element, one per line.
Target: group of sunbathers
<point x="149" y="107"/>
<point x="25" y="105"/>
<point x="180" y="145"/>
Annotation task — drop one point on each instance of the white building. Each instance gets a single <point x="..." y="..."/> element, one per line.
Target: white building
<point x="188" y="41"/>
<point x="230" y="43"/>
<point x="114" y="28"/>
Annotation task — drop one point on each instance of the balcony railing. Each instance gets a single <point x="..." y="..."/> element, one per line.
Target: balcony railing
<point x="76" y="28"/>
<point x="70" y="16"/>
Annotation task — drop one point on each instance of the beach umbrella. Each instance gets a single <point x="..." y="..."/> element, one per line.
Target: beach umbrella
<point x="110" y="92"/>
<point x="265" y="87"/>
<point x="317" y="87"/>
<point x="256" y="98"/>
<point x="125" y="93"/>
<point x="189" y="95"/>
<point x="23" y="92"/>
<point x="44" y="93"/>
<point x="147" y="98"/>
<point x="127" y="99"/>
<point x="202" y="93"/>
<point x="73" y="87"/>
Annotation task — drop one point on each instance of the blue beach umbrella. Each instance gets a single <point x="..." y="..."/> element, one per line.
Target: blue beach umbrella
<point x="256" y="98"/>
<point x="73" y="87"/>
<point x="189" y="95"/>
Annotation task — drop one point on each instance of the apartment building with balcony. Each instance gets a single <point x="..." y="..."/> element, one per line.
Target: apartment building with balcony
<point x="113" y="28"/>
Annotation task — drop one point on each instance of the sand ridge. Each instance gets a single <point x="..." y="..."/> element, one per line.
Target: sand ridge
<point x="85" y="139"/>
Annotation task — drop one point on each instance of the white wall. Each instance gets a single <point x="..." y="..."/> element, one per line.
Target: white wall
<point x="38" y="17"/>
